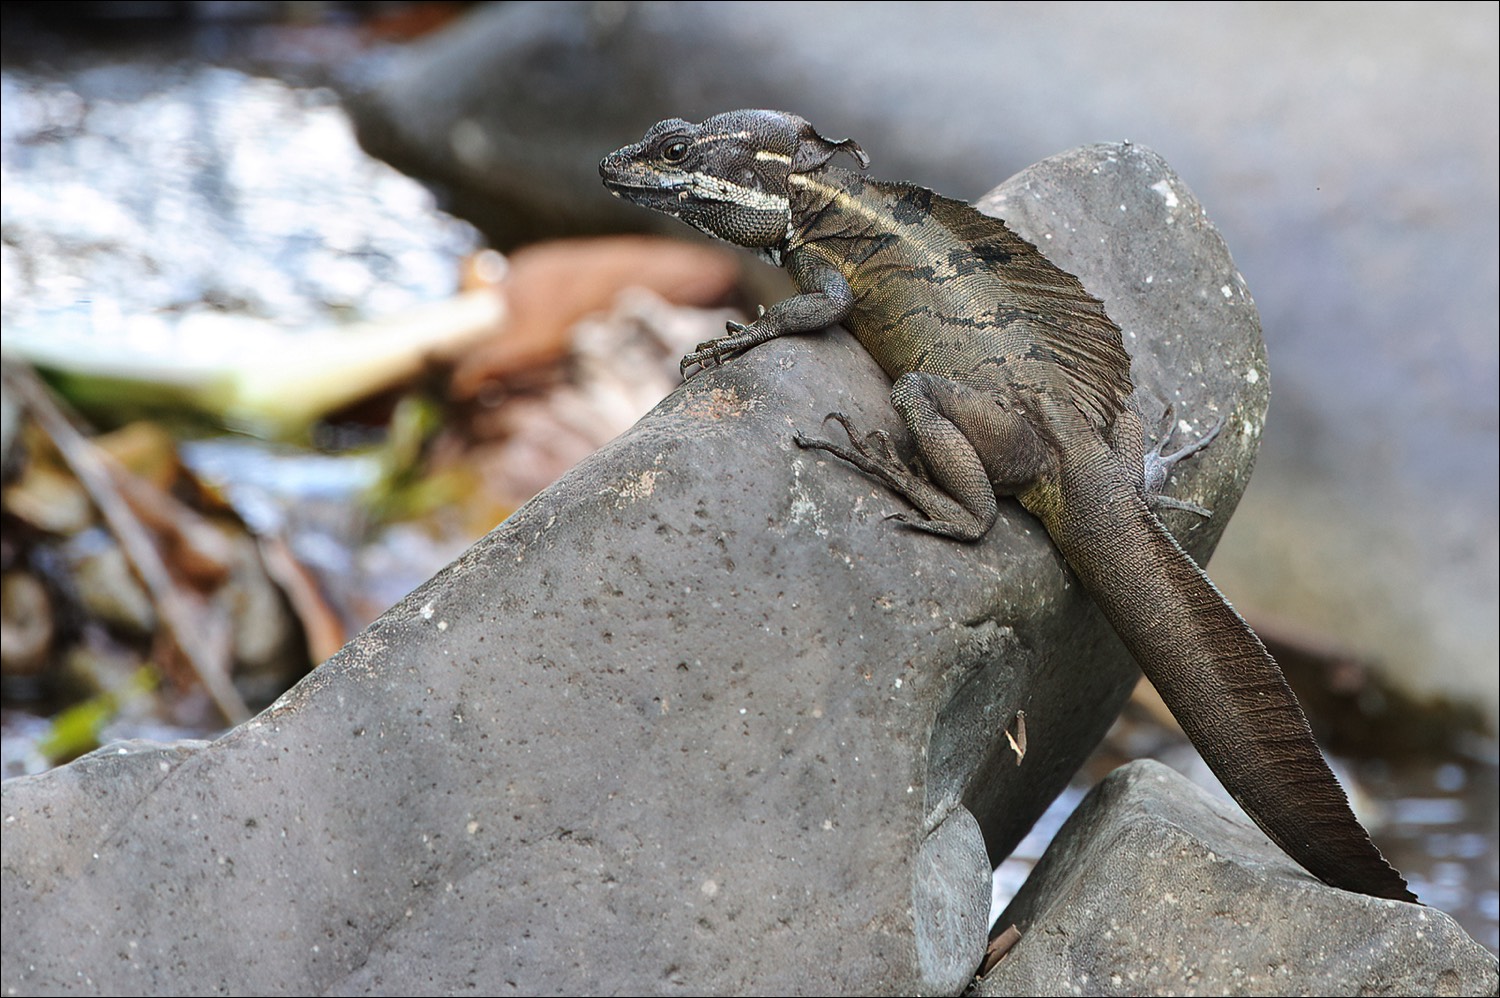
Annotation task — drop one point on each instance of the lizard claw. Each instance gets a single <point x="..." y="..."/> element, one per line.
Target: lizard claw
<point x="698" y="358"/>
<point x="735" y="328"/>
<point x="842" y="420"/>
<point x="813" y="443"/>
<point x="705" y="355"/>
<point x="879" y="441"/>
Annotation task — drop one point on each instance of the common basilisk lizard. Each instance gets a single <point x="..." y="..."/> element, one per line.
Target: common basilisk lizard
<point x="1012" y="381"/>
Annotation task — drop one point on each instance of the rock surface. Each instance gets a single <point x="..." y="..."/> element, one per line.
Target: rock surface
<point x="1155" y="887"/>
<point x="696" y="718"/>
<point x="1351" y="159"/>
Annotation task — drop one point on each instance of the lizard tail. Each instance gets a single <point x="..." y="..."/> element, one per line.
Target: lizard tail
<point x="1221" y="684"/>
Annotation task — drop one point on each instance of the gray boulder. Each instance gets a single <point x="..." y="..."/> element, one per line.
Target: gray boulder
<point x="1155" y="887"/>
<point x="695" y="718"/>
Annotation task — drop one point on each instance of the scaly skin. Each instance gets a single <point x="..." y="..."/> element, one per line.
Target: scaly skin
<point x="1013" y="381"/>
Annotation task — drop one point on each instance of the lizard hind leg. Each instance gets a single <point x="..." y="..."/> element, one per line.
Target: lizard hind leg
<point x="967" y="442"/>
<point x="875" y="456"/>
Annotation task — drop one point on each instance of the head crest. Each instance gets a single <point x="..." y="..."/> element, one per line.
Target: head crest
<point x="788" y="134"/>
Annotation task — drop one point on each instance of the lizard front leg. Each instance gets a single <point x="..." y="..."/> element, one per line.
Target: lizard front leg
<point x="826" y="300"/>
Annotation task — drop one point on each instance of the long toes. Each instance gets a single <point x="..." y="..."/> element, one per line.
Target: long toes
<point x="809" y="443"/>
<point x="1159" y="502"/>
<point x="1208" y="437"/>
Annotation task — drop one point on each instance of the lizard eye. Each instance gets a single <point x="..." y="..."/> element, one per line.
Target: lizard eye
<point x="675" y="151"/>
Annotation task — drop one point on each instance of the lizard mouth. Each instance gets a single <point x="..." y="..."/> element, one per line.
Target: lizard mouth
<point x="647" y="195"/>
<point x="619" y="187"/>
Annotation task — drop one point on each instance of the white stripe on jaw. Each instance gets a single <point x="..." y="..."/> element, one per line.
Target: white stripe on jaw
<point x="719" y="189"/>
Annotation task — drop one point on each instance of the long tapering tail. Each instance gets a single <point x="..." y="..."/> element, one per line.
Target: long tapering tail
<point x="1221" y="684"/>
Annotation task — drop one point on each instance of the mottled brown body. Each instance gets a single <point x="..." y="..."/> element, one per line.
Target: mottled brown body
<point x="1012" y="381"/>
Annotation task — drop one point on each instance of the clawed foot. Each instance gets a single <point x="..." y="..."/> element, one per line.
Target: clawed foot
<point x="712" y="353"/>
<point x="1159" y="465"/>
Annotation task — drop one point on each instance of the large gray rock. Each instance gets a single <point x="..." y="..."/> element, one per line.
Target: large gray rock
<point x="696" y="718"/>
<point x="1350" y="154"/>
<point x="1155" y="887"/>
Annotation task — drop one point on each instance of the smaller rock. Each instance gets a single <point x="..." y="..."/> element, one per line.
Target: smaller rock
<point x="1154" y="887"/>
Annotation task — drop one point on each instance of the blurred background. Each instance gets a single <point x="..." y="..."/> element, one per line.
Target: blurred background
<point x="299" y="299"/>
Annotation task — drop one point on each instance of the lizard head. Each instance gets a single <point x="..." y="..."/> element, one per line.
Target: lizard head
<point x="727" y="176"/>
